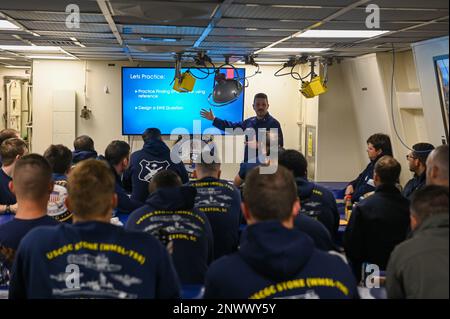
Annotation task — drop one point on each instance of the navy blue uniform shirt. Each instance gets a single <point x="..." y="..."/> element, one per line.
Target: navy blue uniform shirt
<point x="319" y="203"/>
<point x="169" y="215"/>
<point x="78" y="156"/>
<point x="276" y="262"/>
<point x="108" y="261"/>
<point x="144" y="164"/>
<point x="266" y="123"/>
<point x="414" y="184"/>
<point x="220" y="201"/>
<point x="11" y="234"/>
<point x="6" y="197"/>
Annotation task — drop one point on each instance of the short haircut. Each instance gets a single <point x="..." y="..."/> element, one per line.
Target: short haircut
<point x="208" y="164"/>
<point x="294" y="161"/>
<point x="270" y="196"/>
<point x="151" y="133"/>
<point x="116" y="151"/>
<point x="381" y="142"/>
<point x="32" y="177"/>
<point x="440" y="159"/>
<point x="261" y="96"/>
<point x="11" y="148"/>
<point x="84" y="143"/>
<point x="421" y="151"/>
<point x="91" y="186"/>
<point x="59" y="158"/>
<point x="164" y="179"/>
<point x="388" y="170"/>
<point x="428" y="201"/>
<point x="7" y="133"/>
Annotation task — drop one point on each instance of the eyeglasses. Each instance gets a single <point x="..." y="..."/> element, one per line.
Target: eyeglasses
<point x="410" y="157"/>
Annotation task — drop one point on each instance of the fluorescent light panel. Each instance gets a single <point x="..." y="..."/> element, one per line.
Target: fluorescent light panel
<point x="341" y="34"/>
<point x="17" y="67"/>
<point x="6" y="25"/>
<point x="51" y="57"/>
<point x="30" y="48"/>
<point x="296" y="50"/>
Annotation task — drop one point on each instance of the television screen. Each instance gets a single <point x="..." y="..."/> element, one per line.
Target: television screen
<point x="443" y="80"/>
<point x="149" y="100"/>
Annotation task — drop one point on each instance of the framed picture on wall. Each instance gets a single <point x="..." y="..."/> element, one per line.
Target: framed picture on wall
<point x="441" y="65"/>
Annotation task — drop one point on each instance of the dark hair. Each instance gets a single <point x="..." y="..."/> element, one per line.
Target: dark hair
<point x="440" y="159"/>
<point x="294" y="161"/>
<point x="11" y="148"/>
<point x="84" y="143"/>
<point x="388" y="170"/>
<point x="7" y="133"/>
<point x="164" y="179"/>
<point x="59" y="158"/>
<point x="421" y="151"/>
<point x="151" y="133"/>
<point x="381" y="142"/>
<point x="261" y="96"/>
<point x="116" y="151"/>
<point x="428" y="201"/>
<point x="270" y="196"/>
<point x="32" y="177"/>
<point x="91" y="186"/>
<point x="208" y="164"/>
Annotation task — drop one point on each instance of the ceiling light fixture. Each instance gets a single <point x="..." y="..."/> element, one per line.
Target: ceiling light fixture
<point x="341" y="34"/>
<point x="30" y="48"/>
<point x="296" y="50"/>
<point x="7" y="25"/>
<point x="51" y="57"/>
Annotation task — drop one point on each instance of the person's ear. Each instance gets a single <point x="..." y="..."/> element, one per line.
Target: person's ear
<point x="114" y="201"/>
<point x="219" y="174"/>
<point x="51" y="186"/>
<point x="247" y="215"/>
<point x="68" y="204"/>
<point x="414" y="222"/>
<point x="194" y="174"/>
<point x="11" y="187"/>
<point x="376" y="178"/>
<point x="296" y="208"/>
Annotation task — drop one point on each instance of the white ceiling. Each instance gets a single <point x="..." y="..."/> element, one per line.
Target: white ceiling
<point x="239" y="27"/>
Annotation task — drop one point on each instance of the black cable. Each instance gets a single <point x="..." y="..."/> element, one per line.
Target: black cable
<point x="392" y="105"/>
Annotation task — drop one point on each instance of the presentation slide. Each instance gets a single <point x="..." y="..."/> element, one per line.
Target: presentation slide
<point x="149" y="100"/>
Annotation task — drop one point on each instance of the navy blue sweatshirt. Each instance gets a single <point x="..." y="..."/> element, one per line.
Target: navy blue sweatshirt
<point x="6" y="196"/>
<point x="364" y="183"/>
<point x="275" y="262"/>
<point x="111" y="263"/>
<point x="316" y="230"/>
<point x="319" y="203"/>
<point x="125" y="204"/>
<point x="415" y="184"/>
<point x="221" y="203"/>
<point x="144" y="164"/>
<point x="78" y="156"/>
<point x="11" y="234"/>
<point x="267" y="123"/>
<point x="169" y="215"/>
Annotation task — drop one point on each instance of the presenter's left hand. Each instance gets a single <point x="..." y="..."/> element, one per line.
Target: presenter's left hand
<point x="209" y="115"/>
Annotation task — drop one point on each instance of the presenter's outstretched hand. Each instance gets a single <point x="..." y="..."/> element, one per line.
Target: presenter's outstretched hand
<point x="209" y="115"/>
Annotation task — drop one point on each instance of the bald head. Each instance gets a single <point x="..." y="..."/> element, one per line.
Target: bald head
<point x="437" y="167"/>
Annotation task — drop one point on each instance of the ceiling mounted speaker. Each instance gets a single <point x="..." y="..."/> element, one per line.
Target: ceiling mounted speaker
<point x="159" y="11"/>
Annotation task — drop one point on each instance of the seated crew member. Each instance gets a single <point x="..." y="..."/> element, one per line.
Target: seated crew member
<point x="220" y="201"/>
<point x="378" y="223"/>
<point x="5" y="134"/>
<point x="32" y="186"/>
<point x="417" y="160"/>
<point x="264" y="156"/>
<point x="437" y="166"/>
<point x="276" y="260"/>
<point x="316" y="201"/>
<point x="378" y="145"/>
<point x="117" y="154"/>
<point x="111" y="262"/>
<point x="262" y="121"/>
<point x="83" y="149"/>
<point x="145" y="163"/>
<point x="11" y="151"/>
<point x="418" y="267"/>
<point x="169" y="215"/>
<point x="60" y="160"/>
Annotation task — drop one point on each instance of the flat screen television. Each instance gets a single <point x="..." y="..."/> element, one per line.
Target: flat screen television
<point x="149" y="100"/>
<point x="441" y="64"/>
